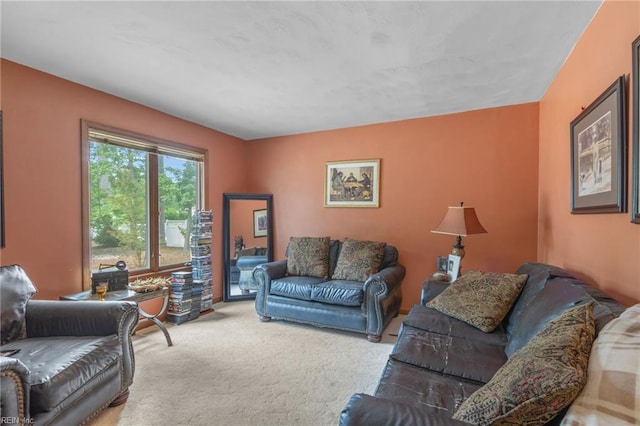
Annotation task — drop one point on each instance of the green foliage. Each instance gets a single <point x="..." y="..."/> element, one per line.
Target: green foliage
<point x="119" y="194"/>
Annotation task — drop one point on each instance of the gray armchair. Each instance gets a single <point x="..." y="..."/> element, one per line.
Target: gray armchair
<point x="73" y="359"/>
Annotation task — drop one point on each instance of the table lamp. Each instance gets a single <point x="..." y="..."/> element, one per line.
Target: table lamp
<point x="460" y="221"/>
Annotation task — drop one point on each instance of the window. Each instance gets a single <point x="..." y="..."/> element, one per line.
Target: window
<point x="139" y="195"/>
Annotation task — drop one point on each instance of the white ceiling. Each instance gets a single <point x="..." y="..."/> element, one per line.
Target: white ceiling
<point x="260" y="69"/>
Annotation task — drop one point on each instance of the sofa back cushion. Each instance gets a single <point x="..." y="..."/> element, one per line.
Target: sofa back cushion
<point x="538" y="275"/>
<point x="308" y="256"/>
<point x="390" y="257"/>
<point x="558" y="295"/>
<point x="358" y="260"/>
<point x="15" y="291"/>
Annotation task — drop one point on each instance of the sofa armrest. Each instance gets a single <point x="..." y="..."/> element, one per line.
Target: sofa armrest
<point x="47" y="318"/>
<point x="382" y="298"/>
<point x="385" y="281"/>
<point x="431" y="289"/>
<point x="263" y="274"/>
<point x="367" y="410"/>
<point x="14" y="390"/>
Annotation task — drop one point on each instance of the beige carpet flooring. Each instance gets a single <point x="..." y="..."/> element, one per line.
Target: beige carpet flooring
<point x="227" y="368"/>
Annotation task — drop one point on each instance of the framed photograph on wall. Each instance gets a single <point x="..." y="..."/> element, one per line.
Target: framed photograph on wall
<point x="599" y="154"/>
<point x="260" y="223"/>
<point x="635" y="177"/>
<point x="352" y="183"/>
<point x="453" y="267"/>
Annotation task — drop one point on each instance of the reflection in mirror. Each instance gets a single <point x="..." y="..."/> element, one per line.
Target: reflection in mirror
<point x="247" y="241"/>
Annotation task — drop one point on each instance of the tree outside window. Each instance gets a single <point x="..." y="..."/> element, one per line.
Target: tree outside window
<point x="139" y="199"/>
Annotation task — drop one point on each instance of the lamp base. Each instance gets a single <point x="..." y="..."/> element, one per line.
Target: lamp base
<point x="458" y="249"/>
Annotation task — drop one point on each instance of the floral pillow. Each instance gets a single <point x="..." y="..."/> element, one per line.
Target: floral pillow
<point x="539" y="380"/>
<point x="481" y="299"/>
<point x="358" y="260"/>
<point x="308" y="256"/>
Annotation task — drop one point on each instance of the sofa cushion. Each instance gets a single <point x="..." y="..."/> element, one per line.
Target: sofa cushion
<point x="338" y="292"/>
<point x="611" y="395"/>
<point x="556" y="297"/>
<point x="390" y="257"/>
<point x="60" y="366"/>
<point x="419" y="387"/>
<point x="15" y="291"/>
<point x="448" y="355"/>
<point x="358" y="259"/>
<point x="540" y="379"/>
<point x="429" y="319"/>
<point x="334" y="251"/>
<point x="296" y="287"/>
<point x="538" y="276"/>
<point x="480" y="299"/>
<point x="308" y="256"/>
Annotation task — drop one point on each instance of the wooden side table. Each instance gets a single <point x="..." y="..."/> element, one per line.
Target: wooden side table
<point x="130" y="295"/>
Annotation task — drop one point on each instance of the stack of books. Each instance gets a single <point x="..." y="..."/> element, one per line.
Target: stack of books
<point x="180" y="299"/>
<point x="201" y="260"/>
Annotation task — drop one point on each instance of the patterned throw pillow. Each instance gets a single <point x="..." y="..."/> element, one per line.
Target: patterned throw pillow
<point x="539" y="380"/>
<point x="481" y="299"/>
<point x="358" y="260"/>
<point x="308" y="256"/>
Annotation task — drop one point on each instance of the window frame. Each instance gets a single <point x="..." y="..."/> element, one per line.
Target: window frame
<point x="153" y="146"/>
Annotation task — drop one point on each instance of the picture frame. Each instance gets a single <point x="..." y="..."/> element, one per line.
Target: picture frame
<point x="453" y="267"/>
<point x="635" y="176"/>
<point x="2" y="236"/>
<point x="354" y="183"/>
<point x="599" y="154"/>
<point x="260" y="223"/>
<point x="441" y="264"/>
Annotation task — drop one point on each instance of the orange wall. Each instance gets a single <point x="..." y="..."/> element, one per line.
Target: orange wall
<point x="604" y="249"/>
<point x="42" y="170"/>
<point x="486" y="158"/>
<point x="241" y="212"/>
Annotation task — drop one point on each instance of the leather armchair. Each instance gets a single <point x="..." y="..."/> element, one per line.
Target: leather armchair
<point x="74" y="358"/>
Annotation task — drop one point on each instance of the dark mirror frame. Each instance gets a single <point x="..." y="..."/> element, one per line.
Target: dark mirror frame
<point x="226" y="240"/>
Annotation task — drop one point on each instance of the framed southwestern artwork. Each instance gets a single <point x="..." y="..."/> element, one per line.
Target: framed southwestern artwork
<point x="599" y="154"/>
<point x="635" y="85"/>
<point x="260" y="223"/>
<point x="352" y="183"/>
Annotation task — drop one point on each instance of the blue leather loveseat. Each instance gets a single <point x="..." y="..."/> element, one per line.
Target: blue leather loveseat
<point x="366" y="306"/>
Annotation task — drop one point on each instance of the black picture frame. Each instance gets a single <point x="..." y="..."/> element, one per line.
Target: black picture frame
<point x="599" y="154"/>
<point x="260" y="223"/>
<point x="635" y="176"/>
<point x="2" y="237"/>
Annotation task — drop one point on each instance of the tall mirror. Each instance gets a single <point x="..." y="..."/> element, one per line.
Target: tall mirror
<point x="247" y="241"/>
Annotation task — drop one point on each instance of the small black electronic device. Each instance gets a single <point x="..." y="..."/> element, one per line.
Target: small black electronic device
<point x="116" y="276"/>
